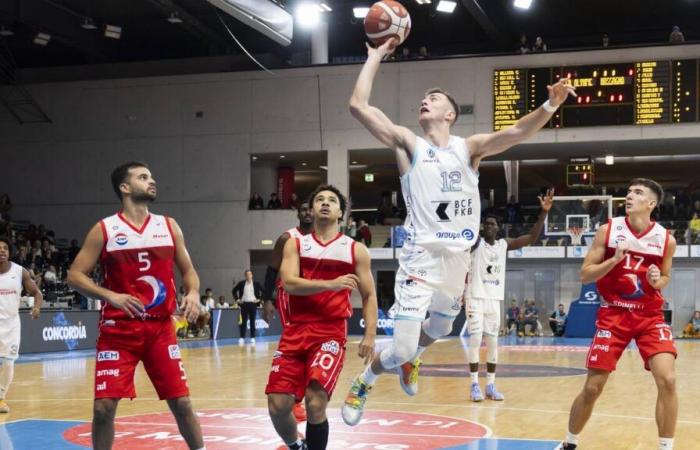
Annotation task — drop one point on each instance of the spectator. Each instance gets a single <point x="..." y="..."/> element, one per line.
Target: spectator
<point x="696" y="208"/>
<point x="676" y="36"/>
<point x="606" y="40"/>
<point x="694" y="227"/>
<point x="222" y="303"/>
<point x="5" y="207"/>
<point x="523" y="47"/>
<point x="181" y="325"/>
<point x="274" y="202"/>
<point x="539" y="46"/>
<point x="256" y="202"/>
<point x="512" y="211"/>
<point x="385" y="209"/>
<point x="512" y="316"/>
<point x="364" y="234"/>
<point x="423" y="52"/>
<point x="248" y="293"/>
<point x="557" y="321"/>
<point x="405" y="53"/>
<point x="693" y="327"/>
<point x="530" y="318"/>
<point x="22" y="257"/>
<point x="294" y="202"/>
<point x="351" y="228"/>
<point x="73" y="250"/>
<point x="202" y="321"/>
<point x="209" y="301"/>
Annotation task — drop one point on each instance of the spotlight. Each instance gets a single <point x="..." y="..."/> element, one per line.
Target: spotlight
<point x="88" y="24"/>
<point x="323" y="7"/>
<point x="423" y="2"/>
<point x="174" y="18"/>
<point x="42" y="39"/>
<point x="113" y="31"/>
<point x="609" y="160"/>
<point x="446" y="6"/>
<point x="522" y="4"/>
<point x="360" y="12"/>
<point x="308" y="15"/>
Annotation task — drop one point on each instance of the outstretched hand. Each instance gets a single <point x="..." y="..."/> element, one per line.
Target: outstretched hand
<point x="559" y="91"/>
<point x="382" y="51"/>
<point x="547" y="200"/>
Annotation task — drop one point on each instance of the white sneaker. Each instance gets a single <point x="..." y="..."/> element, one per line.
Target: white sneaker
<point x="252" y="340"/>
<point x="354" y="404"/>
<point x="241" y="341"/>
<point x="408" y="376"/>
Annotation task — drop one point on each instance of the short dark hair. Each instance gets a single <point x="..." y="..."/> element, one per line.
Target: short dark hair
<point x="333" y="189"/>
<point x="494" y="217"/>
<point x="653" y="187"/>
<point x="453" y="102"/>
<point x="8" y="242"/>
<point x="120" y="173"/>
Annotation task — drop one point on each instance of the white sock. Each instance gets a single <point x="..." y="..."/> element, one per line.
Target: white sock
<point x="7" y="371"/>
<point x="419" y="352"/>
<point x="475" y="377"/>
<point x="490" y="377"/>
<point x="298" y="443"/>
<point x="368" y="376"/>
<point x="665" y="443"/>
<point x="571" y="438"/>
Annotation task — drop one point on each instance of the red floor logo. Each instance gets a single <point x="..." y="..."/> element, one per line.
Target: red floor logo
<point x="250" y="428"/>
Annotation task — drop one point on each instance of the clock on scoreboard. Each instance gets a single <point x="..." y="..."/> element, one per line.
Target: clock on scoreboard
<point x="636" y="93"/>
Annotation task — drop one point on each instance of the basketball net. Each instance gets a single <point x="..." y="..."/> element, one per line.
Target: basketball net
<point x="575" y="233"/>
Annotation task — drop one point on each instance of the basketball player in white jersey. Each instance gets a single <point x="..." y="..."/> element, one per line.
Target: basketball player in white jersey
<point x="485" y="291"/>
<point x="630" y="260"/>
<point x="439" y="180"/>
<point x="13" y="278"/>
<point x="306" y="223"/>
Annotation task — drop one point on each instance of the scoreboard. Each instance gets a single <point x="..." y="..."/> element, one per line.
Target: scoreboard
<point x="636" y="93"/>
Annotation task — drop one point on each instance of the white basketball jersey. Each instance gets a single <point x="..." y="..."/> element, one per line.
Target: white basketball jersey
<point x="10" y="292"/>
<point x="294" y="233"/>
<point x="487" y="277"/>
<point x="441" y="191"/>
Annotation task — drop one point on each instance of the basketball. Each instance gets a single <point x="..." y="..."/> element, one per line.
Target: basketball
<point x="385" y="20"/>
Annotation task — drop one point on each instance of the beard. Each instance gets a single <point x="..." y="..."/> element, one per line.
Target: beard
<point x="143" y="197"/>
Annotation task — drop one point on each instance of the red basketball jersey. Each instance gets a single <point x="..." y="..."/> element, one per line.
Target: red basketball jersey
<point x="282" y="297"/>
<point x="626" y="284"/>
<point x="320" y="262"/>
<point x="139" y="262"/>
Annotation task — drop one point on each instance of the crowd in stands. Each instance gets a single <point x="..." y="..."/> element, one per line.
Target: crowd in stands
<point x="274" y="202"/>
<point x="524" y="320"/>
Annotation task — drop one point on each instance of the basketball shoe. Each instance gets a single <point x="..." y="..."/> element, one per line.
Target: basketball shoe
<point x="4" y="407"/>
<point x="475" y="395"/>
<point x="565" y="446"/>
<point x="354" y="404"/>
<point x="408" y="376"/>
<point x="493" y="394"/>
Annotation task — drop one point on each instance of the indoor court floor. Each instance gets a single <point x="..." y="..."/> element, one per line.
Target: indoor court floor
<point x="51" y="400"/>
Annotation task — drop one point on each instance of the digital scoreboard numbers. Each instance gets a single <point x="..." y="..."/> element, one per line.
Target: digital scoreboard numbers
<point x="638" y="93"/>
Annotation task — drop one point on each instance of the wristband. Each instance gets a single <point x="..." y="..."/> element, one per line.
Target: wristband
<point x="548" y="107"/>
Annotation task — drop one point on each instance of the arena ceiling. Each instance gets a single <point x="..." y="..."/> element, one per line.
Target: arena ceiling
<point x="475" y="27"/>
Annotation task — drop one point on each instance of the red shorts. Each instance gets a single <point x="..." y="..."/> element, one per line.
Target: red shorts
<point x="120" y="347"/>
<point x="616" y="327"/>
<point x="308" y="351"/>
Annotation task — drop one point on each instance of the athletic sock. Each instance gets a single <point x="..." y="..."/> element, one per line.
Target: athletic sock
<point x="368" y="376"/>
<point x="490" y="377"/>
<point x="571" y="438"/>
<point x="475" y="377"/>
<point x="317" y="435"/>
<point x="665" y="443"/>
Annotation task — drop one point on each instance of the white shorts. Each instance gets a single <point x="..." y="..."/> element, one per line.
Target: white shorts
<point x="483" y="316"/>
<point x="429" y="281"/>
<point x="9" y="338"/>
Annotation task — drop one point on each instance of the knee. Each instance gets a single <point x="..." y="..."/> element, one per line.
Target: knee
<point x="181" y="406"/>
<point x="316" y="403"/>
<point x="666" y="382"/>
<point x="591" y="391"/>
<point x="103" y="410"/>
<point x="279" y="405"/>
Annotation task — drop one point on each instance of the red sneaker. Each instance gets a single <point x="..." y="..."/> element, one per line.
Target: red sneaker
<point x="299" y="412"/>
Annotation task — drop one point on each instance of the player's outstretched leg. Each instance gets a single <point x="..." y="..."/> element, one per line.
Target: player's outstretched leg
<point x="582" y="408"/>
<point x="103" y="412"/>
<point x="317" y="422"/>
<point x="187" y="421"/>
<point x="662" y="366"/>
<point x="280" y="407"/>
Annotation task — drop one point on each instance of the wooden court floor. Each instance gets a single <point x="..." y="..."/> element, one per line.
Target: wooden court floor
<point x="53" y="396"/>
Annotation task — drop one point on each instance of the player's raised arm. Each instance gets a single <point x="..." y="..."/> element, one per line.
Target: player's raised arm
<point x="79" y="276"/>
<point x="190" y="279"/>
<point x="294" y="284"/>
<point x="369" y="301"/>
<point x="531" y="237"/>
<point x="595" y="266"/>
<point x="381" y="127"/>
<point x="659" y="278"/>
<point x="483" y="145"/>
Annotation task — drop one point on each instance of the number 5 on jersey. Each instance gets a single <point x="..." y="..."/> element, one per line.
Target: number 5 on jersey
<point x="143" y="259"/>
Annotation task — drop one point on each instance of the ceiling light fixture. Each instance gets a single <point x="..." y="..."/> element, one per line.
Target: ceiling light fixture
<point x="42" y="39"/>
<point x="323" y="7"/>
<point x="446" y="6"/>
<point x="423" y="2"/>
<point x="88" y="24"/>
<point x="4" y="31"/>
<point x="522" y="4"/>
<point x="113" y="31"/>
<point x="308" y="15"/>
<point x="174" y="18"/>
<point x="360" y="12"/>
<point x="609" y="160"/>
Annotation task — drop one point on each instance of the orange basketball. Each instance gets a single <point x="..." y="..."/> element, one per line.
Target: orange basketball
<point x="387" y="19"/>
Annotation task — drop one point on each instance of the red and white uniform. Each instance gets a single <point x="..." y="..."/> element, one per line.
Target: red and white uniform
<point x="282" y="297"/>
<point x="313" y="341"/>
<point x="139" y="262"/>
<point x="630" y="306"/>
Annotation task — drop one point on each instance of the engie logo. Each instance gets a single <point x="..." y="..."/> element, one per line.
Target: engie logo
<point x="62" y="330"/>
<point x="108" y="356"/>
<point x="121" y="239"/>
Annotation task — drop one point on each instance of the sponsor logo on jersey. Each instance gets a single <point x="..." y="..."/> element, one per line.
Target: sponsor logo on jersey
<point x="493" y="282"/>
<point x="463" y="207"/>
<point x="101" y="387"/>
<point x="593" y="358"/>
<point x="108" y="355"/>
<point x="174" y="351"/>
<point x="275" y="368"/>
<point x="160" y="236"/>
<point x="121" y="239"/>
<point x="620" y="238"/>
<point x="107" y="373"/>
<point x="109" y="323"/>
<point x="603" y="347"/>
<point x="467" y="234"/>
<point x="603" y="334"/>
<point x="330" y="347"/>
<point x="653" y="245"/>
<point x="408" y="309"/>
<point x="453" y="236"/>
<point x="277" y="354"/>
<point x="431" y="153"/>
